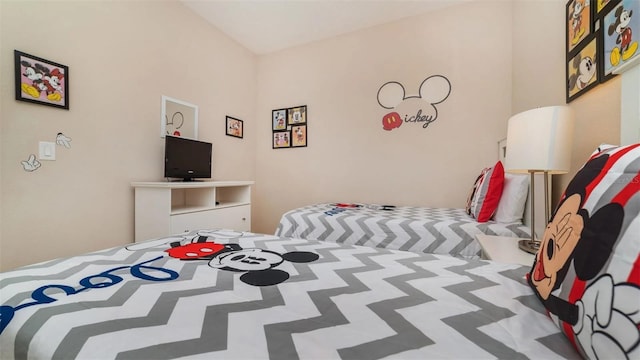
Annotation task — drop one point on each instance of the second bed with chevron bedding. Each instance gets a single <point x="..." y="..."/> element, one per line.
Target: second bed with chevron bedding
<point x="419" y="229"/>
<point x="224" y="295"/>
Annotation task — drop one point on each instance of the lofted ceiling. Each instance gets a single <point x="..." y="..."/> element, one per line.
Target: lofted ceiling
<point x="265" y="26"/>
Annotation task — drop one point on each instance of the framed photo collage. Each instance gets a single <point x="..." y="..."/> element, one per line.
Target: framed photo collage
<point x="289" y="127"/>
<point x="599" y="40"/>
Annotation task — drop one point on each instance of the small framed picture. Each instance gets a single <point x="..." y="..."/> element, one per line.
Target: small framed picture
<point x="619" y="43"/>
<point x="281" y="139"/>
<point x="279" y="119"/>
<point x="41" y="81"/>
<point x="235" y="127"/>
<point x="579" y="24"/>
<point x="583" y="69"/>
<point x="298" y="135"/>
<point x="297" y="115"/>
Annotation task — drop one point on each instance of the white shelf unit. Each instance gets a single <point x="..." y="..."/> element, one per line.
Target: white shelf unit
<point x="166" y="208"/>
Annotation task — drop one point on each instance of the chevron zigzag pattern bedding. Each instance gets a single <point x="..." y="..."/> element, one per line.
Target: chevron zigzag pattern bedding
<point x="192" y="296"/>
<point x="418" y="229"/>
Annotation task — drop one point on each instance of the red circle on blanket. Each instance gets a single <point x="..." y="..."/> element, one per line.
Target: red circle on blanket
<point x="195" y="250"/>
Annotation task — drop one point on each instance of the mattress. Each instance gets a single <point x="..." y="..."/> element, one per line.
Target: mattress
<point x="223" y="295"/>
<point x="418" y="229"/>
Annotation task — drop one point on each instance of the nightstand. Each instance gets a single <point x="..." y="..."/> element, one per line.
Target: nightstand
<point x="503" y="249"/>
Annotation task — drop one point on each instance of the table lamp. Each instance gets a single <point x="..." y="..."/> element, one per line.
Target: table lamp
<point x="539" y="141"/>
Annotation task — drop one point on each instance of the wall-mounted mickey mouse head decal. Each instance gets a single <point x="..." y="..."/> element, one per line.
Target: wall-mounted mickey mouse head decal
<point x="433" y="90"/>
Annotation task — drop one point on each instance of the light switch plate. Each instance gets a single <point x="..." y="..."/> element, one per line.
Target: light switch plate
<point x="47" y="150"/>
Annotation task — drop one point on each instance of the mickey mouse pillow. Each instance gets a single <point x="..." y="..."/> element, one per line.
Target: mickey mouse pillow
<point x="587" y="271"/>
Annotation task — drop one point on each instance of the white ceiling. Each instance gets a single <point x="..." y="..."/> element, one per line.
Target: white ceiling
<point x="265" y="26"/>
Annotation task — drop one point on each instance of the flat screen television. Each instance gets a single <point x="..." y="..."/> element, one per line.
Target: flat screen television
<point x="187" y="159"/>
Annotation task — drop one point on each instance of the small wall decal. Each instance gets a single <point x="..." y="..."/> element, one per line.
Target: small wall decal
<point x="63" y="140"/>
<point x="419" y="108"/>
<point x="179" y="118"/>
<point x="31" y="164"/>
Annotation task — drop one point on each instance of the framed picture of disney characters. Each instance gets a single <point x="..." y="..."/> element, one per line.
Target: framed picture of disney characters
<point x="41" y="81"/>
<point x="289" y="127"/>
<point x="583" y="69"/>
<point x="620" y="30"/>
<point x="579" y="24"/>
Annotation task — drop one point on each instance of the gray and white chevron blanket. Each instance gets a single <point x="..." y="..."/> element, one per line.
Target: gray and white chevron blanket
<point x="418" y="229"/>
<point x="219" y="294"/>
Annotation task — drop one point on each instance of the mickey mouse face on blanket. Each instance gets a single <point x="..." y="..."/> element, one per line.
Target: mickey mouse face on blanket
<point x="259" y="264"/>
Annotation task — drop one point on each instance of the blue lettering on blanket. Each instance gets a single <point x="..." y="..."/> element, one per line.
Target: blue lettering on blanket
<point x="334" y="211"/>
<point x="90" y="282"/>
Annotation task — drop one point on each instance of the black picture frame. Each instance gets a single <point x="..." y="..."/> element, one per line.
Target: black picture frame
<point x="289" y="127"/>
<point x="234" y="127"/>
<point x="619" y="47"/>
<point x="297" y="115"/>
<point x="583" y="68"/>
<point x="281" y="139"/>
<point x="299" y="135"/>
<point x="41" y="81"/>
<point x="579" y="25"/>
<point x="278" y="119"/>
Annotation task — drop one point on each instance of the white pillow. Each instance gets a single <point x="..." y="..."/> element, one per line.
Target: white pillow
<point x="514" y="196"/>
<point x="602" y="147"/>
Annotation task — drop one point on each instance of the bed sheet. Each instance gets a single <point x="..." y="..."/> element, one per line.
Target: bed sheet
<point x="419" y="229"/>
<point x="224" y="295"/>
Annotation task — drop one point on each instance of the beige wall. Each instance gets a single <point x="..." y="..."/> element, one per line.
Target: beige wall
<point x="350" y="158"/>
<point x="122" y="57"/>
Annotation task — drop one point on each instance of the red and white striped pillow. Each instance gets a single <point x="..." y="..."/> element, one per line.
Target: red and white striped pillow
<point x="587" y="271"/>
<point x="486" y="192"/>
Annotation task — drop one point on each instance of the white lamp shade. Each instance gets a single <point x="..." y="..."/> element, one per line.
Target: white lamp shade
<point x="540" y="140"/>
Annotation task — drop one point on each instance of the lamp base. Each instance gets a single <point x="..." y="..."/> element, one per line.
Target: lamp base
<point x="528" y="245"/>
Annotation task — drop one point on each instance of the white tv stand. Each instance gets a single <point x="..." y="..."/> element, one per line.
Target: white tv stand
<point x="167" y="208"/>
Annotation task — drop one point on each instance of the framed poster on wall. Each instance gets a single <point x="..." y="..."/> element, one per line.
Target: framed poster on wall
<point x="579" y="24"/>
<point x="289" y="127"/>
<point x="41" y="81"/>
<point x="582" y="69"/>
<point x="620" y="29"/>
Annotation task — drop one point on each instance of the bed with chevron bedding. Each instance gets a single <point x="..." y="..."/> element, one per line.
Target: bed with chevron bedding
<point x="419" y="229"/>
<point x="228" y="295"/>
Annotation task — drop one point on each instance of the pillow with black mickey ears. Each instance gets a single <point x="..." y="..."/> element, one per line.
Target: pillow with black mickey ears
<point x="587" y="271"/>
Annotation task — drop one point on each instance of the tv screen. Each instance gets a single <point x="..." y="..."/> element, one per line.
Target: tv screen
<point x="186" y="159"/>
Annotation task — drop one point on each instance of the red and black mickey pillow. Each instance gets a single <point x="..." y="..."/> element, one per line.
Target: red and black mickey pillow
<point x="587" y="271"/>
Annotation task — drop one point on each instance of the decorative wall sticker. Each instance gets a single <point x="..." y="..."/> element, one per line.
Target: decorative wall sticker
<point x="63" y="140"/>
<point x="179" y="118"/>
<point x="419" y="108"/>
<point x="31" y="164"/>
<point x="41" y="81"/>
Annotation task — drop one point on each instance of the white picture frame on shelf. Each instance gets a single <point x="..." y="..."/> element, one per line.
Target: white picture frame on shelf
<point x="179" y="118"/>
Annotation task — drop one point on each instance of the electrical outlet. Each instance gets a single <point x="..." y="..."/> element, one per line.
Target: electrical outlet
<point x="47" y="150"/>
